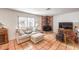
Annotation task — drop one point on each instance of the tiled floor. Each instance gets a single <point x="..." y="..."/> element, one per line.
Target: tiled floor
<point x="49" y="43"/>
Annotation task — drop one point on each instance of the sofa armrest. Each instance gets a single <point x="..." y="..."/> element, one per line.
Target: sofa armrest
<point x="22" y="38"/>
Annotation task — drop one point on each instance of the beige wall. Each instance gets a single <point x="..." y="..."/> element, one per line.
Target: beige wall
<point x="10" y="18"/>
<point x="69" y="17"/>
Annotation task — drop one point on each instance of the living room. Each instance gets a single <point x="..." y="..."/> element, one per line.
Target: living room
<point x="37" y="23"/>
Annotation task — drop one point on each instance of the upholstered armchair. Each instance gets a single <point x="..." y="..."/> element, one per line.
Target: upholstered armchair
<point x="71" y="37"/>
<point x="60" y="35"/>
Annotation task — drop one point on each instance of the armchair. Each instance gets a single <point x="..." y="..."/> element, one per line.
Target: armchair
<point x="60" y="35"/>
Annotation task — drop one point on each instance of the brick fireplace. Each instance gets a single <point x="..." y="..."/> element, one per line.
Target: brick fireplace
<point x="47" y="22"/>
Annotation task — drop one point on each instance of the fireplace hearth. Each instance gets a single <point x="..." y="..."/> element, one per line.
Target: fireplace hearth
<point x="47" y="28"/>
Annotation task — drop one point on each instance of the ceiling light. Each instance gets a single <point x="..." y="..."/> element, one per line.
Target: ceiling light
<point x="48" y="8"/>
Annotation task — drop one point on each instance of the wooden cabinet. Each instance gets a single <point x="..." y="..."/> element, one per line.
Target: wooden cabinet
<point x="3" y="35"/>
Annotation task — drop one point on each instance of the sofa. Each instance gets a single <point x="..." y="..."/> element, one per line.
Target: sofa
<point x="23" y="35"/>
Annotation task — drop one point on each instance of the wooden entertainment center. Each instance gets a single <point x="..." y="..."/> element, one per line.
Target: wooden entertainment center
<point x="3" y="36"/>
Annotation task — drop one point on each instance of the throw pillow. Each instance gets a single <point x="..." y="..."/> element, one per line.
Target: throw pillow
<point x="21" y="32"/>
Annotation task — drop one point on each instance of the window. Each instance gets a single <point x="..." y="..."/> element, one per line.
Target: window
<point x="22" y="22"/>
<point x="31" y="22"/>
<point x="25" y="22"/>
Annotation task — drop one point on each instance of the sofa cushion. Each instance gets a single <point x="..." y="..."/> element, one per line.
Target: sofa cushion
<point x="28" y="30"/>
<point x="20" y="32"/>
<point x="23" y="36"/>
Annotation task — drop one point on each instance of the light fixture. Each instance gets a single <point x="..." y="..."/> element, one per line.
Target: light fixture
<point x="48" y="8"/>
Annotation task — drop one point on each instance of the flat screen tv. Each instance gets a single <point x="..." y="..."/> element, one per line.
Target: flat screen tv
<point x="66" y="25"/>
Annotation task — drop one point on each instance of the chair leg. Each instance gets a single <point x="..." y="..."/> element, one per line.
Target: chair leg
<point x="65" y="40"/>
<point x="74" y="44"/>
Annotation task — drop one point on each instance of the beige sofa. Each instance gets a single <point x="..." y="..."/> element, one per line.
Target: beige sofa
<point x="22" y="36"/>
<point x="25" y="35"/>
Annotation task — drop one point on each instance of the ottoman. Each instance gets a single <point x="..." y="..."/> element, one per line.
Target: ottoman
<point x="35" y="38"/>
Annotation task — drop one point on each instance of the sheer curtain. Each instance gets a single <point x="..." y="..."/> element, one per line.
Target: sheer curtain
<point x="27" y="22"/>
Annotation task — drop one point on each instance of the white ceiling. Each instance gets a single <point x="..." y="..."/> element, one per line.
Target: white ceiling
<point x="45" y="12"/>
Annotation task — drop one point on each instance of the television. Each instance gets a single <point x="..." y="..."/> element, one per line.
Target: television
<point x="66" y="25"/>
